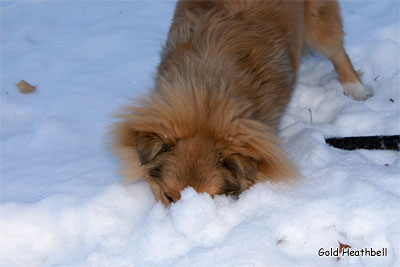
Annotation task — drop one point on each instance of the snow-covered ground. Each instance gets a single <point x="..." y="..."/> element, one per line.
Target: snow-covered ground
<point x="61" y="199"/>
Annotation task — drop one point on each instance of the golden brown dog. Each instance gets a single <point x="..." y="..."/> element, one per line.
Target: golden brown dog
<point x="226" y="75"/>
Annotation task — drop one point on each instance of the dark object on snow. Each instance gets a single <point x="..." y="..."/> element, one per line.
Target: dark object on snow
<point x="389" y="142"/>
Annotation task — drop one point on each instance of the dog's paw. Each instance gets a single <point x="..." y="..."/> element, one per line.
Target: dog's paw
<point x="358" y="91"/>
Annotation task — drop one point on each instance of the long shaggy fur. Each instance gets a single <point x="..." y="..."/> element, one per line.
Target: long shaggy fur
<point x="226" y="75"/>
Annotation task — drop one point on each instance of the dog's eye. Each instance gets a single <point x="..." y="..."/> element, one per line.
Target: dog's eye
<point x="165" y="148"/>
<point x="170" y="199"/>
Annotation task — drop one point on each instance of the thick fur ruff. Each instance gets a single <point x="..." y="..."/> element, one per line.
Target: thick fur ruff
<point x="226" y="75"/>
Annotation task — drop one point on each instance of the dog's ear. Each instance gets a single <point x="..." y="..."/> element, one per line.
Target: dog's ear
<point x="135" y="147"/>
<point x="257" y="143"/>
<point x="243" y="168"/>
<point x="149" y="145"/>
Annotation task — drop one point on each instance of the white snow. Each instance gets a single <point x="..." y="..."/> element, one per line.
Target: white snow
<point x="62" y="202"/>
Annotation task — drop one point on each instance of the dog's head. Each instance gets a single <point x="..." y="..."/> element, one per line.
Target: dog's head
<point x="225" y="155"/>
<point x="196" y="161"/>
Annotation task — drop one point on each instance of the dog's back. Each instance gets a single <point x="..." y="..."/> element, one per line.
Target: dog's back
<point x="249" y="44"/>
<point x="287" y="16"/>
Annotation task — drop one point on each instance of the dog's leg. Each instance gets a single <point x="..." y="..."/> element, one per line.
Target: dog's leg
<point x="324" y="32"/>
